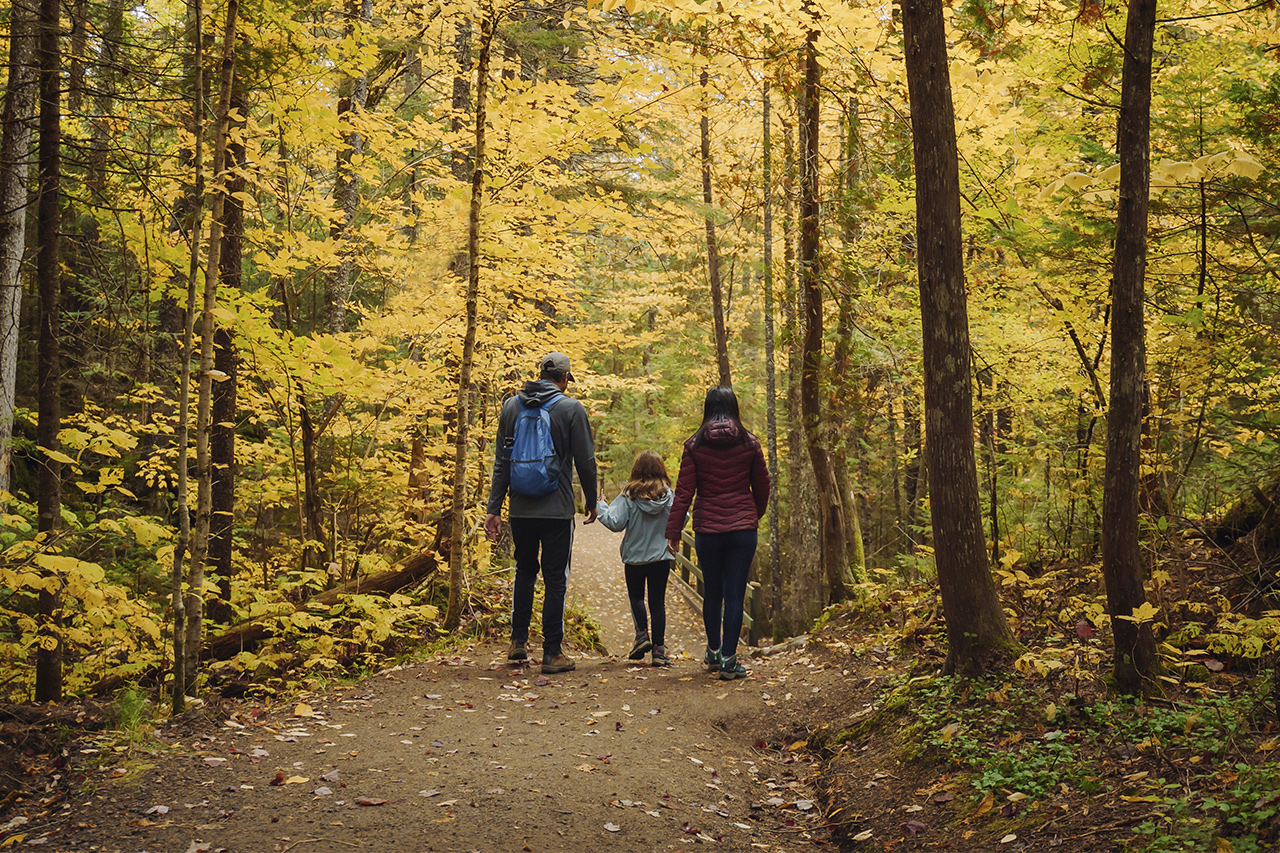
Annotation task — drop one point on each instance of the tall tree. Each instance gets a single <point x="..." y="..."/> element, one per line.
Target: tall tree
<point x="977" y="631"/>
<point x="713" y="250"/>
<point x="835" y="547"/>
<point x="453" y="616"/>
<point x="49" y="370"/>
<point x="770" y="372"/>
<point x="226" y="361"/>
<point x="15" y="154"/>
<point x="1135" y="653"/>
<point x="194" y="204"/>
<point x="204" y="468"/>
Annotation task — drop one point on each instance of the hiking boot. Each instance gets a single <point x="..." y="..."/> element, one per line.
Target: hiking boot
<point x="559" y="662"/>
<point x="643" y="644"/>
<point x="516" y="651"/>
<point x="660" y="656"/>
<point x="711" y="660"/>
<point x="731" y="669"/>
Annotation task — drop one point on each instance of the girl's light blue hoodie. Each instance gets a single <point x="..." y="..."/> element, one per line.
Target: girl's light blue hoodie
<point x="645" y="523"/>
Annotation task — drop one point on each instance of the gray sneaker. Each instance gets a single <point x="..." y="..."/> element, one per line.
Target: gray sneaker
<point x="711" y="660"/>
<point x="660" y="656"/>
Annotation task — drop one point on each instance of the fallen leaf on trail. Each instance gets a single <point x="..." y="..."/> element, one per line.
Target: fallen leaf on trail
<point x="617" y="727"/>
<point x="1083" y="629"/>
<point x="158" y="810"/>
<point x="586" y="768"/>
<point x="1010" y="837"/>
<point x="331" y="776"/>
<point x="278" y="780"/>
<point x="913" y="809"/>
<point x="214" y="761"/>
<point x="322" y="791"/>
<point x="800" y="744"/>
<point x="303" y="710"/>
<point x="914" y="827"/>
<point x="944" y="798"/>
<point x="1214" y="665"/>
<point x="865" y="835"/>
<point x="369" y="801"/>
<point x="1016" y="797"/>
<point x="429" y="793"/>
<point x="612" y="827"/>
<point x="987" y="802"/>
<point x="1266" y="746"/>
<point x="804" y="805"/>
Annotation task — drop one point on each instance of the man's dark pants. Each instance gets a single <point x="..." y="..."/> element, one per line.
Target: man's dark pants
<point x="554" y="538"/>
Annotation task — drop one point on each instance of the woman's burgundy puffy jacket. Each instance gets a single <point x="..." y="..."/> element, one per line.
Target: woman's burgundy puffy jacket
<point x="728" y="473"/>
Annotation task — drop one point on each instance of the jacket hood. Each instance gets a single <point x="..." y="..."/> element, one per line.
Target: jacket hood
<point x="721" y="432"/>
<point x="537" y="391"/>
<point x="654" y="506"/>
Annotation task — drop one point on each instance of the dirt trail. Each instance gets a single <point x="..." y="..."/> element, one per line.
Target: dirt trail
<point x="469" y="754"/>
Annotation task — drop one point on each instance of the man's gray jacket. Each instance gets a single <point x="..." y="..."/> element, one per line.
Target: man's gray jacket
<point x="571" y="435"/>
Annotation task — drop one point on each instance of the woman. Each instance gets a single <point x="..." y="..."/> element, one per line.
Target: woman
<point x="723" y="465"/>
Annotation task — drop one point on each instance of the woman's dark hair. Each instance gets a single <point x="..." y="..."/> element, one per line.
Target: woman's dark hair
<point x="649" y="478"/>
<point x="721" y="402"/>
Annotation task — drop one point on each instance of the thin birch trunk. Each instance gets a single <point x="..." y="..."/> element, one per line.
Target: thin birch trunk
<point x="15" y="156"/>
<point x="204" y="470"/>
<point x="453" y="615"/>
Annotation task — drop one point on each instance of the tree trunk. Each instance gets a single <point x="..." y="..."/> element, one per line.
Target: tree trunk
<point x="346" y="185"/>
<point x="846" y="425"/>
<point x="713" y="255"/>
<point x="771" y="384"/>
<point x="49" y="368"/>
<point x="977" y="632"/>
<point x="835" y="556"/>
<point x="195" y="200"/>
<point x="226" y="361"/>
<point x="317" y="548"/>
<point x="204" y="468"/>
<point x="15" y="153"/>
<point x="1135" y="658"/>
<point x="488" y="23"/>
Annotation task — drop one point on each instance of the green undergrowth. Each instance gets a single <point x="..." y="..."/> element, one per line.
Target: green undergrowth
<point x="1195" y="773"/>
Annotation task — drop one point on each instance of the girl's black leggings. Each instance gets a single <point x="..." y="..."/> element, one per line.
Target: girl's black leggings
<point x="655" y="574"/>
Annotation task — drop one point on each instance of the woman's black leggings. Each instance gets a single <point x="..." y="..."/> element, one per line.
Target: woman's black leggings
<point x="655" y="574"/>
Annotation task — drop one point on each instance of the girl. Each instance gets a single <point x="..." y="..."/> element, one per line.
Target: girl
<point x="724" y="466"/>
<point x="641" y="510"/>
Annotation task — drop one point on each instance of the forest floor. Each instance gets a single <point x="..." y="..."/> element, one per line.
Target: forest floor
<point x="466" y="752"/>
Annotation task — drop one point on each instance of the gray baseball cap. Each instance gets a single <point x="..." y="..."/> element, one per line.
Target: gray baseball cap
<point x="557" y="361"/>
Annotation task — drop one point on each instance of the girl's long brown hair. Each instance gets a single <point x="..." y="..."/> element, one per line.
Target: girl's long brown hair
<point x="648" y="477"/>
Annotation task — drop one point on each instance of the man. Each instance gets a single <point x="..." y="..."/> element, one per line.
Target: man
<point x="543" y="522"/>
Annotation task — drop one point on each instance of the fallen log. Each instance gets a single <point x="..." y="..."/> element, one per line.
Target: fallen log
<point x="247" y="636"/>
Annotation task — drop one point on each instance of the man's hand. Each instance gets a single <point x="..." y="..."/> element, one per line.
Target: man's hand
<point x="492" y="524"/>
<point x="591" y="515"/>
<point x="674" y="546"/>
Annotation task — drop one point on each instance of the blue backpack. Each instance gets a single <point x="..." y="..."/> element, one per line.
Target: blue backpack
<point x="535" y="467"/>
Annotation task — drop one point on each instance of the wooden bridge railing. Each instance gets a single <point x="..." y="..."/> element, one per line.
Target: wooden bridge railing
<point x="688" y="579"/>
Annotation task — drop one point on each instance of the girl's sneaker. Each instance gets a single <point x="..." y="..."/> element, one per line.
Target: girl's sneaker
<point x="643" y="644"/>
<point x="711" y="660"/>
<point x="660" y="656"/>
<point x="731" y="669"/>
